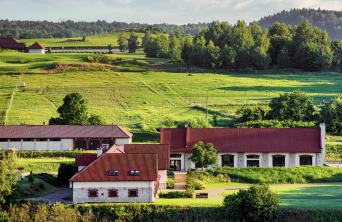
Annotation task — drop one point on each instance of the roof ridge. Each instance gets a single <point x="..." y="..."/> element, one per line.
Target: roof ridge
<point x="125" y="131"/>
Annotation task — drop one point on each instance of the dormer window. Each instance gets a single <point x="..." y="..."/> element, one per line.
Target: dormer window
<point x="113" y="173"/>
<point x="134" y="173"/>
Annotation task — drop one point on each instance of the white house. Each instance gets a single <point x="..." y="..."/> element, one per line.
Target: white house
<point x="36" y="48"/>
<point x="248" y="147"/>
<point x="61" y="137"/>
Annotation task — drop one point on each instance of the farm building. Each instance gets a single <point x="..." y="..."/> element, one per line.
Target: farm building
<point x="122" y="174"/>
<point x="13" y="44"/>
<point x="248" y="147"/>
<point x="36" y="48"/>
<point x="62" y="137"/>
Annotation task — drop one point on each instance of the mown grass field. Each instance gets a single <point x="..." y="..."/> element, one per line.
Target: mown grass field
<point x="96" y="40"/>
<point x="42" y="164"/>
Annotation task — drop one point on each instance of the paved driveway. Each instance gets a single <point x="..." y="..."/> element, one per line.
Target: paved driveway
<point x="62" y="195"/>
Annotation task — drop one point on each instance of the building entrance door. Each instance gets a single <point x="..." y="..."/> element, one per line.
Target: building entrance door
<point x="175" y="165"/>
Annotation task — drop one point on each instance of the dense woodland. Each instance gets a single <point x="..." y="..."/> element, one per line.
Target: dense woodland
<point x="239" y="46"/>
<point x="331" y="21"/>
<point x="69" y="29"/>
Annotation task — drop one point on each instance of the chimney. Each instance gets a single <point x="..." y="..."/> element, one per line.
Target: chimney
<point x="4" y="123"/>
<point x="321" y="156"/>
<point x="112" y="124"/>
<point x="44" y="123"/>
<point x="82" y="124"/>
<point x="186" y="135"/>
<point x="99" y="152"/>
<point x="95" y="123"/>
<point x="161" y="135"/>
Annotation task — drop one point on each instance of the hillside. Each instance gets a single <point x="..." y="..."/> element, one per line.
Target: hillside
<point x="331" y="21"/>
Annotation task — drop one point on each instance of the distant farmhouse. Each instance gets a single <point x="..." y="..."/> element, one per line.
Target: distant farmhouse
<point x="13" y="44"/>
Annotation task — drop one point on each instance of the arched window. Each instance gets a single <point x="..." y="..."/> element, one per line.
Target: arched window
<point x="305" y="160"/>
<point x="278" y="160"/>
<point x="94" y="144"/>
<point x="253" y="160"/>
<point x="80" y="144"/>
<point x="228" y="160"/>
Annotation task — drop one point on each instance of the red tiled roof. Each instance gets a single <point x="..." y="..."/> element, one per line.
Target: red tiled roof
<point x="85" y="159"/>
<point x="13" y="45"/>
<point x="8" y="40"/>
<point x="163" y="151"/>
<point x="98" y="171"/>
<point x="245" y="140"/>
<point x="63" y="131"/>
<point x="36" y="45"/>
<point x="114" y="149"/>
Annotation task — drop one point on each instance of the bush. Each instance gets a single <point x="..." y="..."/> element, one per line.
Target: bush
<point x="169" y="122"/>
<point x="170" y="173"/>
<point x="189" y="193"/>
<point x="47" y="154"/>
<point x="48" y="178"/>
<point x="279" y="124"/>
<point x="31" y="177"/>
<point x="257" y="203"/>
<point x="171" y="194"/>
<point x="170" y="183"/>
<point x="66" y="171"/>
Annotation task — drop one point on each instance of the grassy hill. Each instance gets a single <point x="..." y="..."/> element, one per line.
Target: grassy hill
<point x="96" y="40"/>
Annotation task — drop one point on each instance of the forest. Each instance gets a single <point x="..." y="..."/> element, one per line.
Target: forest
<point x="225" y="46"/>
<point x="328" y="20"/>
<point x="70" y="29"/>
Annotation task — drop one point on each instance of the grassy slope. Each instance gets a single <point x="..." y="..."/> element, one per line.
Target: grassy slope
<point x="96" y="40"/>
<point x="41" y="192"/>
<point x="43" y="164"/>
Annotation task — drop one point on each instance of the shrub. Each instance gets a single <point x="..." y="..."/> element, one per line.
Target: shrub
<point x="170" y="183"/>
<point x="31" y="177"/>
<point x="66" y="171"/>
<point x="169" y="122"/>
<point x="171" y="194"/>
<point x="48" y="178"/>
<point x="170" y="173"/>
<point x="257" y="203"/>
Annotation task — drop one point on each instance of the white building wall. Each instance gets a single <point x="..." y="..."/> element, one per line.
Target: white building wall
<point x="54" y="145"/>
<point x="41" y="145"/>
<point x="66" y="144"/>
<point x="41" y="51"/>
<point x="162" y="180"/>
<point x="4" y="145"/>
<point x="112" y="184"/>
<point x="120" y="141"/>
<point x="15" y="144"/>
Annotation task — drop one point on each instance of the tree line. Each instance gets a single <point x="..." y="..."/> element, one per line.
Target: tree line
<point x="328" y="20"/>
<point x="68" y="29"/>
<point x="239" y="46"/>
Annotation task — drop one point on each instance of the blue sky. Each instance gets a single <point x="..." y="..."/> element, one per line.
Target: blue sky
<point x="149" y="11"/>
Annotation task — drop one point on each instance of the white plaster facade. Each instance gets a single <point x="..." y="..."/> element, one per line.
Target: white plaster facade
<point x="63" y="144"/>
<point x="162" y="180"/>
<point x="40" y="51"/>
<point x="120" y="141"/>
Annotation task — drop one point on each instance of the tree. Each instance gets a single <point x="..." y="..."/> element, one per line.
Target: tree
<point x="8" y="176"/>
<point x="250" y="113"/>
<point x="195" y="123"/>
<point x="258" y="203"/>
<point x="211" y="56"/>
<point x="203" y="155"/>
<point x="186" y="50"/>
<point x="122" y="41"/>
<point x="110" y="48"/>
<point x="169" y="122"/>
<point x="132" y="43"/>
<point x="331" y="115"/>
<point x="295" y="106"/>
<point x="227" y="57"/>
<point x="96" y="120"/>
<point x="73" y="111"/>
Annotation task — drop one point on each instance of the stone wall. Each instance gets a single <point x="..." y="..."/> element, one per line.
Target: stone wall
<point x="241" y="160"/>
<point x="264" y="160"/>
<point x="145" y="194"/>
<point x="187" y="164"/>
<point x="321" y="156"/>
<point x="292" y="159"/>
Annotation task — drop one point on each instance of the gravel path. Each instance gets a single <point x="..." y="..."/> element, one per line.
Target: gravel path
<point x="62" y="195"/>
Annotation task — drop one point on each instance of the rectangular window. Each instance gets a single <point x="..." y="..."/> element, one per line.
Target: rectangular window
<point x="252" y="161"/>
<point x="175" y="156"/>
<point x="175" y="165"/>
<point x="228" y="160"/>
<point x="305" y="160"/>
<point x="133" y="193"/>
<point x="112" y="193"/>
<point x="131" y="173"/>
<point x="137" y="173"/>
<point x="92" y="193"/>
<point x="278" y="161"/>
<point x="113" y="173"/>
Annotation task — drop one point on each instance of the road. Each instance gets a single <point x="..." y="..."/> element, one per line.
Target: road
<point x="83" y="50"/>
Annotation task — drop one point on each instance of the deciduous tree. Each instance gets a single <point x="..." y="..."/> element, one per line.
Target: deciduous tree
<point x="203" y="155"/>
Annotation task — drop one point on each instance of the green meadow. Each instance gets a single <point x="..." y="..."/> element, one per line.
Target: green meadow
<point x="96" y="40"/>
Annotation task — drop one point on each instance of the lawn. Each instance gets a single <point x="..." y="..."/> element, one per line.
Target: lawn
<point x="189" y="201"/>
<point x="96" y="40"/>
<point x="31" y="190"/>
<point x="43" y="164"/>
<point x="303" y="192"/>
<point x="222" y="185"/>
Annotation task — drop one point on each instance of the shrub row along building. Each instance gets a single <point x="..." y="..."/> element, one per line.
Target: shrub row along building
<point x="13" y="44"/>
<point x="134" y="172"/>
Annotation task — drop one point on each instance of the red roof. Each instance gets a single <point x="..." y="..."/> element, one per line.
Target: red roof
<point x="163" y="151"/>
<point x="36" y="45"/>
<point x="98" y="171"/>
<point x="85" y="159"/>
<point x="245" y="139"/>
<point x="8" y="40"/>
<point x="63" y="131"/>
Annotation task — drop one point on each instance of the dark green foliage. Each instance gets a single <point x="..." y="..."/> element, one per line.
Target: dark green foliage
<point x="170" y="183"/>
<point x="250" y="113"/>
<point x="8" y="177"/>
<point x="96" y="120"/>
<point x="279" y="124"/>
<point x="169" y="122"/>
<point x="66" y="171"/>
<point x="333" y="148"/>
<point x="194" y="123"/>
<point x="46" y="154"/>
<point x="203" y="155"/>
<point x="122" y="42"/>
<point x="331" y="115"/>
<point x="171" y="194"/>
<point x="31" y="177"/>
<point x="258" y="203"/>
<point x="308" y="56"/>
<point x="48" y="178"/>
<point x="276" y="175"/>
<point x="132" y="43"/>
<point x="295" y="106"/>
<point x="170" y="173"/>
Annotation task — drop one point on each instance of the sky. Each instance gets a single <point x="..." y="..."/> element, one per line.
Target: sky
<point x="152" y="11"/>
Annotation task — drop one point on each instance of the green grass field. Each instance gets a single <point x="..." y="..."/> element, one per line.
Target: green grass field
<point x="125" y="98"/>
<point x="303" y="192"/>
<point x="42" y="164"/>
<point x="222" y="185"/>
<point x="96" y="40"/>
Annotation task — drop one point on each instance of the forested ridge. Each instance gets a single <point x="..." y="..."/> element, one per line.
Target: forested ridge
<point x="328" y="20"/>
<point x="69" y="29"/>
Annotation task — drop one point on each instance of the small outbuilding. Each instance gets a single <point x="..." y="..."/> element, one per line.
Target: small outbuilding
<point x="37" y="48"/>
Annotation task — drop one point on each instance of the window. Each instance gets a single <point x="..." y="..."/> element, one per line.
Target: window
<point x="228" y="160"/>
<point x="134" y="172"/>
<point x="278" y="161"/>
<point x="92" y="193"/>
<point x="132" y="193"/>
<point x="137" y="173"/>
<point x="175" y="165"/>
<point x="253" y="160"/>
<point x="113" y="173"/>
<point x="94" y="144"/>
<point x="131" y="173"/>
<point x="305" y="160"/>
<point x="175" y="155"/>
<point x="112" y="193"/>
